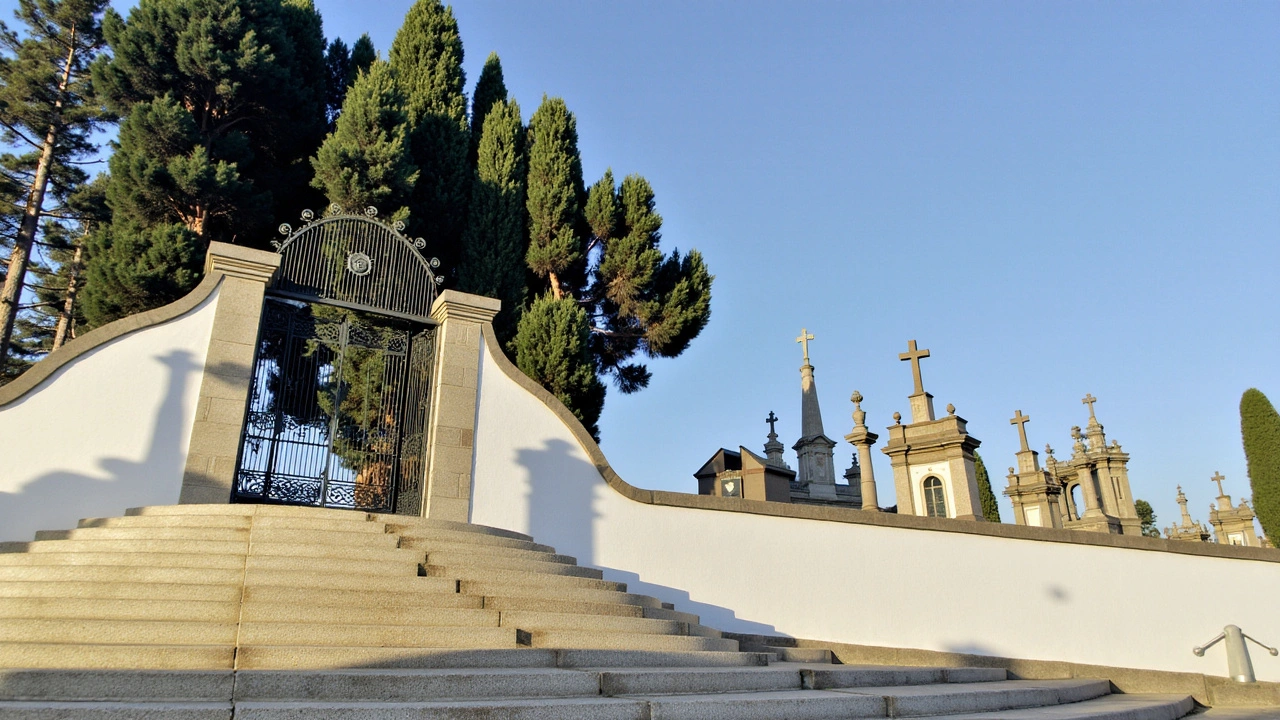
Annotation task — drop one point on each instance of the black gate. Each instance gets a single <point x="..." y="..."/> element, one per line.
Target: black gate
<point x="340" y="392"/>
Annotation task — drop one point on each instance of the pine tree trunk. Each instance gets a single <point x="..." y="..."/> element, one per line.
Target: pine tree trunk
<point x="556" y="291"/>
<point x="63" y="330"/>
<point x="20" y="258"/>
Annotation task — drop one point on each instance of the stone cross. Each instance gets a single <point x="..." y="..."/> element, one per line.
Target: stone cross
<point x="804" y="339"/>
<point x="914" y="356"/>
<point x="1021" y="421"/>
<point x="771" y="420"/>
<point x="1218" y="478"/>
<point x="1089" y="400"/>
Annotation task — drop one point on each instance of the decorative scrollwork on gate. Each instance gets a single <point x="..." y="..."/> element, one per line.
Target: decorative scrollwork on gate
<point x="357" y="261"/>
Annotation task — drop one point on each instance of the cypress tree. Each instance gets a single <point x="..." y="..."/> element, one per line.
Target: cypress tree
<point x="557" y="243"/>
<point x="552" y="348"/>
<point x="489" y="89"/>
<point x="337" y="61"/>
<point x="225" y="103"/>
<point x="366" y="160"/>
<point x="495" y="238"/>
<point x="1260" y="432"/>
<point x="990" y="508"/>
<point x="427" y="58"/>
<point x="47" y="112"/>
<point x="363" y="56"/>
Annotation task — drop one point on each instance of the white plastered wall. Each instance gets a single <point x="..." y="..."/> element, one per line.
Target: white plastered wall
<point x="863" y="584"/>
<point x="107" y="431"/>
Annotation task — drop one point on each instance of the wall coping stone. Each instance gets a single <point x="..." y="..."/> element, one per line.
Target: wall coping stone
<point x="100" y="336"/>
<point x="456" y="305"/>
<point x="850" y="515"/>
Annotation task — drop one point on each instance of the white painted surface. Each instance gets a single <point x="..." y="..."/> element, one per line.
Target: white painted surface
<point x="864" y="584"/>
<point x="1032" y="514"/>
<point x="107" y="431"/>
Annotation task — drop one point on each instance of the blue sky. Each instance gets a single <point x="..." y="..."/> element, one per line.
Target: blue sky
<point x="1056" y="198"/>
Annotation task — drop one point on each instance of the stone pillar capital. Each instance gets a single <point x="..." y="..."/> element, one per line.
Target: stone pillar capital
<point x="455" y="305"/>
<point x="241" y="262"/>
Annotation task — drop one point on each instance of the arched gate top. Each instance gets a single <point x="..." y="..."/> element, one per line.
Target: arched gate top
<point x="359" y="262"/>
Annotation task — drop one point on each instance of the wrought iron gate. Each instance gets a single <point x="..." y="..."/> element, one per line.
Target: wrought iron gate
<point x="340" y="391"/>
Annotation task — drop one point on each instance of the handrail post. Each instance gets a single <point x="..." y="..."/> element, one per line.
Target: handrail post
<point x="1239" y="666"/>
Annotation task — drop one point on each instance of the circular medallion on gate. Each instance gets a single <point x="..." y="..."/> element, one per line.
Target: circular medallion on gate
<point x="359" y="263"/>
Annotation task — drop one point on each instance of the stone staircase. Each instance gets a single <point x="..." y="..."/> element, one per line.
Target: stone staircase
<point x="243" y="611"/>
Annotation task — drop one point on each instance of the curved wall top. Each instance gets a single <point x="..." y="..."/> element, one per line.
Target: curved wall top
<point x="842" y="575"/>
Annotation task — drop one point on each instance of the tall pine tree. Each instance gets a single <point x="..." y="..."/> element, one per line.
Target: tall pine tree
<point x="366" y="160"/>
<point x="427" y="58"/>
<point x="225" y="103"/>
<point x="48" y="115"/>
<point x="1260" y="432"/>
<point x="990" y="508"/>
<point x="496" y="234"/>
<point x="600" y="250"/>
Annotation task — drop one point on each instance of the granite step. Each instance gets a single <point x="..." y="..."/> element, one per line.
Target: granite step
<point x="768" y="705"/>
<point x="391" y="565"/>
<point x="442" y="596"/>
<point x="534" y="621"/>
<point x="184" y="521"/>
<point x="489" y="588"/>
<point x="215" y="547"/>
<point x="120" y="574"/>
<point x="117" y="685"/>
<point x="519" y="577"/>
<point x="502" y="562"/>
<point x="662" y="613"/>
<point x="219" y="592"/>
<point x="356" y="635"/>
<point x="144" y="559"/>
<point x="115" y="710"/>
<point x="422" y="615"/>
<point x="674" y="681"/>
<point x="329" y="581"/>
<point x="121" y="632"/>
<point x="318" y="657"/>
<point x="952" y="698"/>
<point x="414" y="685"/>
<point x="249" y="509"/>
<point x="849" y="676"/>
<point x="375" y="553"/>
<point x="144" y="533"/>
<point x="1109" y="707"/>
<point x="565" y="606"/>
<point x="425" y="537"/>
<point x="521" y="709"/>
<point x="471" y="549"/>
<point x="118" y="609"/>
<point x="411" y="525"/>
<point x="627" y="641"/>
<point x="87" y="655"/>
<point x="310" y="536"/>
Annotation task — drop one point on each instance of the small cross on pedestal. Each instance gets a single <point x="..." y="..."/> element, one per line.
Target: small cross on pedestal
<point x="1021" y="421"/>
<point x="771" y="420"/>
<point x="914" y="356"/>
<point x="1218" y="478"/>
<point x="1089" y="400"/>
<point x="805" y="337"/>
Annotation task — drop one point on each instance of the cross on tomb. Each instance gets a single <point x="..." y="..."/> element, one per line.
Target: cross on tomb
<point x="771" y="420"/>
<point x="805" y="337"/>
<point x="1089" y="400"/>
<point x="914" y="356"/>
<point x="1021" y="421"/>
<point x="1218" y="478"/>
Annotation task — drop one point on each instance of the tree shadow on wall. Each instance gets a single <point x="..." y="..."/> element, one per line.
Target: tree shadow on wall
<point x="562" y="513"/>
<point x="56" y="500"/>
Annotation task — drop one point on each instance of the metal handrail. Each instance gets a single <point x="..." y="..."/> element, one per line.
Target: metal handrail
<point x="1239" y="666"/>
